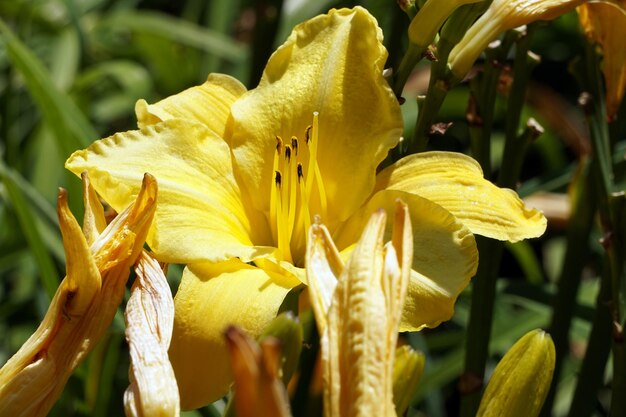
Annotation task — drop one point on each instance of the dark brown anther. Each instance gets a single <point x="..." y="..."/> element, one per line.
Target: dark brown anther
<point x="294" y="145"/>
<point x="278" y="178"/>
<point x="300" y="174"/>
<point x="307" y="134"/>
<point x="279" y="144"/>
<point x="288" y="153"/>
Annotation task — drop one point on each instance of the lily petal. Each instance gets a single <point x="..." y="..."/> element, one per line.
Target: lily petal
<point x="445" y="256"/>
<point x="200" y="213"/>
<point x="211" y="297"/>
<point x="455" y="182"/>
<point x="331" y="64"/>
<point x="605" y="23"/>
<point x="208" y="104"/>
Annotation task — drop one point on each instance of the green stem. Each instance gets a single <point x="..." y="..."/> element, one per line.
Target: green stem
<point x="484" y="283"/>
<point x="268" y="14"/>
<point x="411" y="57"/>
<point x="592" y="369"/>
<point x="479" y="326"/>
<point x="576" y="255"/>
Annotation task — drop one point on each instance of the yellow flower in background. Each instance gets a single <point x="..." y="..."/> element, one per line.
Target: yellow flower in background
<point x="243" y="173"/>
<point x="521" y="381"/>
<point x="501" y="16"/>
<point x="605" y="24"/>
<point x="360" y="317"/>
<point x="98" y="261"/>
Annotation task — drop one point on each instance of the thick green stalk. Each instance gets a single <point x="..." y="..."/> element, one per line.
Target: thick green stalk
<point x="592" y="369"/>
<point x="268" y="14"/>
<point x="610" y="207"/>
<point x="479" y="326"/>
<point x="576" y="255"/>
<point x="484" y="283"/>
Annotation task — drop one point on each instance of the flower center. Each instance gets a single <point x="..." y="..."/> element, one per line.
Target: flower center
<point x="296" y="190"/>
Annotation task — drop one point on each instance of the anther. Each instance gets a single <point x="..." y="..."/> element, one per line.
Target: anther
<point x="279" y="144"/>
<point x="300" y="174"/>
<point x="288" y="153"/>
<point x="307" y="134"/>
<point x="294" y="145"/>
<point x="278" y="178"/>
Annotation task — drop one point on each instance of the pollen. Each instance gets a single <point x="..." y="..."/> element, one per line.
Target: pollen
<point x="297" y="192"/>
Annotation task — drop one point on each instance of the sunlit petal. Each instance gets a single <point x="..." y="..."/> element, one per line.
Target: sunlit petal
<point x="208" y="104"/>
<point x="445" y="256"/>
<point x="455" y="182"/>
<point x="331" y="64"/>
<point x="211" y="297"/>
<point x="201" y="214"/>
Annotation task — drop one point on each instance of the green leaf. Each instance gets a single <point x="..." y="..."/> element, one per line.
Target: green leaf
<point x="28" y="224"/>
<point x="71" y="128"/>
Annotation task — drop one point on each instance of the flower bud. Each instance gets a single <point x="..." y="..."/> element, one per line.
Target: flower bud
<point x="521" y="381"/>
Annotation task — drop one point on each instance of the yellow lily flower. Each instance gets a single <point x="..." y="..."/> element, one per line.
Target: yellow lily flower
<point x="243" y="173"/>
<point x="98" y="261"/>
<point x="359" y="328"/>
<point x="501" y="16"/>
<point x="521" y="381"/>
<point x="605" y="24"/>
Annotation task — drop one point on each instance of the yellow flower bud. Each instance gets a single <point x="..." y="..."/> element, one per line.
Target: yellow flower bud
<point x="501" y="16"/>
<point x="521" y="381"/>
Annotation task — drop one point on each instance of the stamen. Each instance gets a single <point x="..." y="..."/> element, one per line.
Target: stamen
<point x="273" y="192"/>
<point x="304" y="202"/>
<point x="287" y="153"/>
<point x="294" y="145"/>
<point x="279" y="145"/>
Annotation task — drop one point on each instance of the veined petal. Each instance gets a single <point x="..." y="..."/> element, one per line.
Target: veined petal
<point x="444" y="256"/>
<point x="210" y="298"/>
<point x="149" y="320"/>
<point x="331" y="64"/>
<point x="455" y="182"/>
<point x="605" y="23"/>
<point x="201" y="214"/>
<point x="208" y="104"/>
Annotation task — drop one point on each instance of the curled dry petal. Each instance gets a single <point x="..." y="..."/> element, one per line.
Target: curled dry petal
<point x="359" y="340"/>
<point x="149" y="322"/>
<point x="259" y="392"/>
<point x="83" y="306"/>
